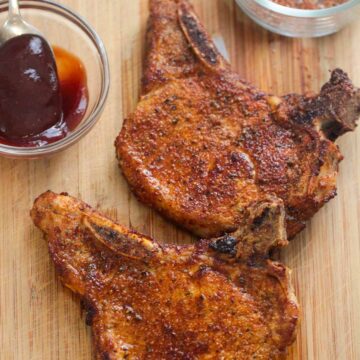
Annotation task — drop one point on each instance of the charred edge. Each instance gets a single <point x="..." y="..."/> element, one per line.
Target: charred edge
<point x="259" y="220"/>
<point x="333" y="130"/>
<point x="91" y="312"/>
<point x="120" y="243"/>
<point x="225" y="245"/>
<point x="200" y="39"/>
<point x="303" y="110"/>
<point x="115" y="239"/>
<point x="105" y="356"/>
<point x="305" y="117"/>
<point x="108" y="234"/>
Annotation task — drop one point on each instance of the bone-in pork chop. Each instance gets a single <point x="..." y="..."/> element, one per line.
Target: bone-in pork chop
<point x="219" y="299"/>
<point x="203" y="145"/>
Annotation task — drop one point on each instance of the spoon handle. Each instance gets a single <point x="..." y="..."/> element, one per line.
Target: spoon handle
<point x="14" y="9"/>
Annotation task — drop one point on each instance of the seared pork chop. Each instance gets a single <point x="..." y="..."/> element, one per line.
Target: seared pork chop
<point x="219" y="299"/>
<point x="203" y="145"/>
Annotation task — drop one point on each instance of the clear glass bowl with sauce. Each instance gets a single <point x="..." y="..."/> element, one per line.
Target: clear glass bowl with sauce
<point x="294" y="22"/>
<point x="62" y="27"/>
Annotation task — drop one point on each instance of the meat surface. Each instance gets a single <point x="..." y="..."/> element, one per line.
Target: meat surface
<point x="203" y="146"/>
<point x="219" y="299"/>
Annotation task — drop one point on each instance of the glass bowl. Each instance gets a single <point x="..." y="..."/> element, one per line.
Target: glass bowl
<point x="293" y="22"/>
<point x="64" y="28"/>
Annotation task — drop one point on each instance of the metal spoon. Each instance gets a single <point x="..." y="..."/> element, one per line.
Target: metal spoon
<point x="15" y="25"/>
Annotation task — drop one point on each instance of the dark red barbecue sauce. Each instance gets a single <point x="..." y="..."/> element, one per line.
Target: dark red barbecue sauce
<point x="70" y="88"/>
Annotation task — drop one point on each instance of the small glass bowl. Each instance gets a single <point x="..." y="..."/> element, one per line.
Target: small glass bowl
<point x="293" y="22"/>
<point x="64" y="28"/>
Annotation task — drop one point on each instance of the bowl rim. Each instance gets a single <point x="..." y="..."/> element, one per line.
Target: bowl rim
<point x="83" y="128"/>
<point x="306" y="13"/>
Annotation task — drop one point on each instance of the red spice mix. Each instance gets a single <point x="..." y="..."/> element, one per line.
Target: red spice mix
<point x="310" y="4"/>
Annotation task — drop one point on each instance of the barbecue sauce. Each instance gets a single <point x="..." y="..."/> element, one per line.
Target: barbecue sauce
<point x="42" y="99"/>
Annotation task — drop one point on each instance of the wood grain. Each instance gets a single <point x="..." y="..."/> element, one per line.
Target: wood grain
<point x="39" y="319"/>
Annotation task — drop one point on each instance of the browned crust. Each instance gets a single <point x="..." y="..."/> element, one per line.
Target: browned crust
<point x="203" y="146"/>
<point x="168" y="55"/>
<point x="168" y="302"/>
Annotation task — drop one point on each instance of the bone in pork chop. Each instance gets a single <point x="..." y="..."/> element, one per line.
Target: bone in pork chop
<point x="203" y="146"/>
<point x="219" y="299"/>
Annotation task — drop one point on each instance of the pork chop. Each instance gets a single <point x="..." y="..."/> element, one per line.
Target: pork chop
<point x="203" y="145"/>
<point x="219" y="299"/>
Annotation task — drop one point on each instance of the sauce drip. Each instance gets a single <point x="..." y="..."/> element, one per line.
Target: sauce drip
<point x="74" y="94"/>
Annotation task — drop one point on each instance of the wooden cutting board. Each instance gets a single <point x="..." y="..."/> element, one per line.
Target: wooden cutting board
<point x="41" y="320"/>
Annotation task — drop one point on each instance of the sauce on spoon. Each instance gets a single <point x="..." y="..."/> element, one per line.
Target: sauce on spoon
<point x="30" y="98"/>
<point x="42" y="99"/>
